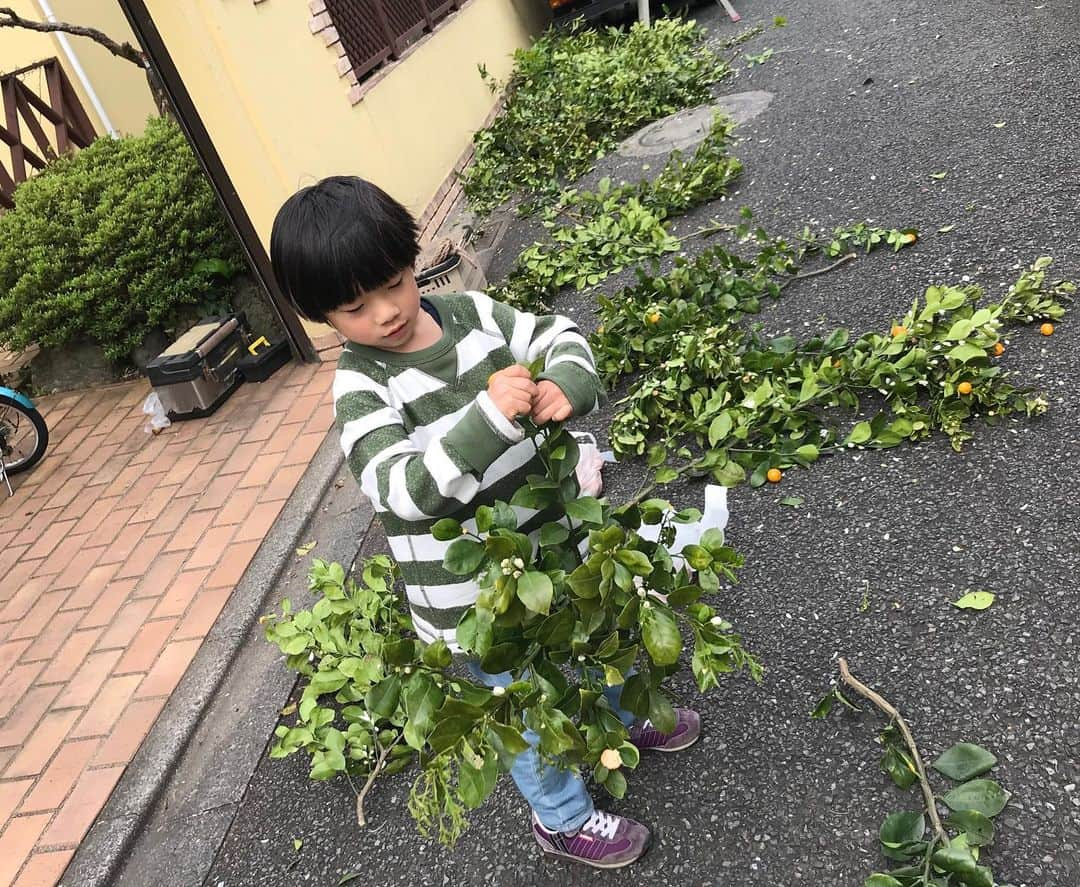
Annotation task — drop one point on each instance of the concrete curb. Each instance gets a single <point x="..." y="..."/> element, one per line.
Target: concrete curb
<point x="106" y="846"/>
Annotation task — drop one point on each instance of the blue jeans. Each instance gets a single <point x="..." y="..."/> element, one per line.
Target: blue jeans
<point x="557" y="796"/>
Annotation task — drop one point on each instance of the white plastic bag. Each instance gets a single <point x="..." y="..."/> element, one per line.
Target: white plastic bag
<point x="153" y="408"/>
<point x="590" y="464"/>
<point x="714" y="515"/>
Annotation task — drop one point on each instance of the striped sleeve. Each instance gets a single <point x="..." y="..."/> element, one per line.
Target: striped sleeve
<point x="568" y="361"/>
<point x="414" y="484"/>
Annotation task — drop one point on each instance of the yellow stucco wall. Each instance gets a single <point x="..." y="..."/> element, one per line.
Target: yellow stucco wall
<point x="120" y="86"/>
<point x="280" y="117"/>
<point x="279" y="114"/>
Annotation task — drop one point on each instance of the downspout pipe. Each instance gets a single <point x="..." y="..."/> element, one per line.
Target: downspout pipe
<point x="76" y="66"/>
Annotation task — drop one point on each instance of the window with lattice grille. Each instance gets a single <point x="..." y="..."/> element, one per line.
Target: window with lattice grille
<point x="373" y="32"/>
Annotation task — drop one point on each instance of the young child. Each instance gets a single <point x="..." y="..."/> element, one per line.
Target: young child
<point x="427" y="395"/>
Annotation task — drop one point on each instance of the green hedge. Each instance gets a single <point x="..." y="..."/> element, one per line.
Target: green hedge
<point x="120" y="239"/>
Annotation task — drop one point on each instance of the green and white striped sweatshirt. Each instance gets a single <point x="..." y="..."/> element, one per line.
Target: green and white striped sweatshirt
<point x="425" y="441"/>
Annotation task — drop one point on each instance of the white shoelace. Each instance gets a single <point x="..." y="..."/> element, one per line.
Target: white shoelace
<point x="602" y="824"/>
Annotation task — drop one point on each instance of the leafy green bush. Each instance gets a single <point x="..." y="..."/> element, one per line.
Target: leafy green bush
<point x="111" y="243"/>
<point x="571" y="97"/>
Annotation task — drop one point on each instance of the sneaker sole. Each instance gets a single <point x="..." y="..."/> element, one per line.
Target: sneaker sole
<point x="595" y="863"/>
<point x="674" y="748"/>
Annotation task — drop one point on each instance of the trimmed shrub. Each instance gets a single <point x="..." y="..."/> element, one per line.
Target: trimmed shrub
<point x="108" y="244"/>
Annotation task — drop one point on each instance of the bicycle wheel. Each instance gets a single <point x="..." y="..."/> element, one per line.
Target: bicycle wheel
<point x="23" y="435"/>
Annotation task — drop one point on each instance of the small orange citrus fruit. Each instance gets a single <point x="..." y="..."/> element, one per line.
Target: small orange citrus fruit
<point x="999" y="349"/>
<point x="964" y="388"/>
<point x="774" y="475"/>
<point x="899" y="330"/>
<point x="654" y="317"/>
<point x="1047" y="329"/>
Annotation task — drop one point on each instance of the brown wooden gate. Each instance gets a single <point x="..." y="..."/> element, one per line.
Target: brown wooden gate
<point x="373" y="31"/>
<point x="25" y="109"/>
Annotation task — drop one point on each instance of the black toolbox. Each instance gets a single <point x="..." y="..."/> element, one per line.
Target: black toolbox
<point x="262" y="360"/>
<point x="197" y="373"/>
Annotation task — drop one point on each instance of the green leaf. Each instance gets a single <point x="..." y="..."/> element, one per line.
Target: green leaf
<point x="974" y="600"/>
<point x="661" y="636"/>
<point x="697" y="556"/>
<point x="977" y="826"/>
<point x="964" y="761"/>
<point x="899" y="766"/>
<point x="661" y="712"/>
<point x="965" y="351"/>
<point x="534" y="590"/>
<point x="729" y="474"/>
<point x="902" y="828"/>
<point x="501" y="657"/>
<point x="382" y="699"/>
<point x="792" y="501"/>
<point x="422" y="700"/>
<point x="476" y="784"/>
<point x="861" y="433"/>
<point x="437" y="654"/>
<point x="981" y="795"/>
<point x="553" y="534"/>
<point x="512" y="741"/>
<point x="557" y="629"/>
<point x="464" y="557"/>
<point x="615" y="784"/>
<point x="635" y="561"/>
<point x="484" y="518"/>
<point x="956" y="860"/>
<point x="635" y="695"/>
<point x="446" y="529"/>
<point x="586" y="509"/>
<point x="945" y="229"/>
<point x="720" y="428"/>
<point x="881" y="880"/>
<point x="809" y="452"/>
<point x="665" y="475"/>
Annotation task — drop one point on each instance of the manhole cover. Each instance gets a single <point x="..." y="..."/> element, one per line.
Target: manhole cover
<point x="685" y="129"/>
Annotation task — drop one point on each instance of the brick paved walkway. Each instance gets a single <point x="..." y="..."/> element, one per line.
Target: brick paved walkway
<point x="117" y="553"/>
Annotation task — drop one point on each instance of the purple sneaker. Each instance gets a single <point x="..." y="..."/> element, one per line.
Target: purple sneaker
<point x="606" y="841"/>
<point x="687" y="730"/>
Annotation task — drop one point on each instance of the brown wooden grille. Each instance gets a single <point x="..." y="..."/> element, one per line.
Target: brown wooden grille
<point x="373" y="31"/>
<point x="23" y="107"/>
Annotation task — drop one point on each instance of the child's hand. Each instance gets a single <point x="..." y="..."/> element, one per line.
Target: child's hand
<point x="550" y="405"/>
<point x="513" y="391"/>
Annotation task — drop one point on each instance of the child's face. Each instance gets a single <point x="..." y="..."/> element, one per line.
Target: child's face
<point x="384" y="318"/>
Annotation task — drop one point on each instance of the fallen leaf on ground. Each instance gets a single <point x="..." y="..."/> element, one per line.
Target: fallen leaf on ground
<point x="975" y="600"/>
<point x="793" y="501"/>
<point x="938" y="175"/>
<point x="297" y="843"/>
<point x="945" y="229"/>
<point x="305" y="549"/>
<point x="998" y="125"/>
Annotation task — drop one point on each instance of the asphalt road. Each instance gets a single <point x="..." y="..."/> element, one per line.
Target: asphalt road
<point x="871" y="98"/>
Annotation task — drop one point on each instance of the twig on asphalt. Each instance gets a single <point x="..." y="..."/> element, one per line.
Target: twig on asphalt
<point x="843" y="260"/>
<point x="360" y="795"/>
<point x="889" y="709"/>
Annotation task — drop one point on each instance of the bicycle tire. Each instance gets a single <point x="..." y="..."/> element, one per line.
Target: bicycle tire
<point x="38" y="422"/>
